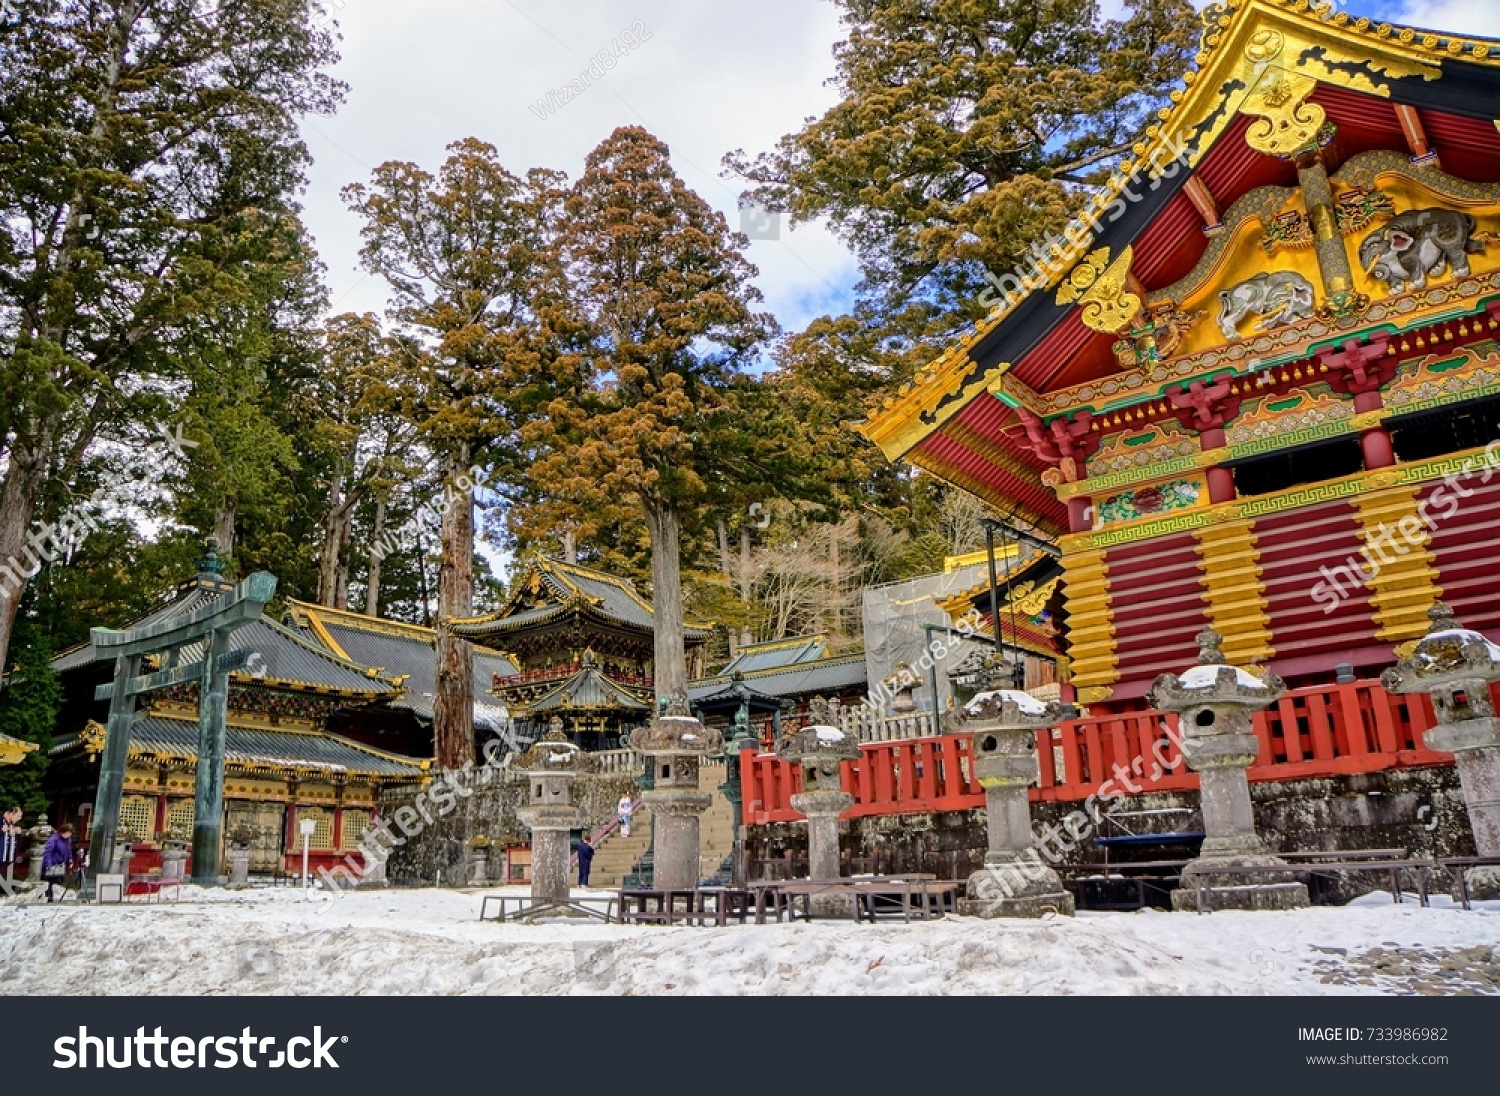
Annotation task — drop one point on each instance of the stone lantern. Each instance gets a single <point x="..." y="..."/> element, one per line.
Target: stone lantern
<point x="1216" y="705"/>
<point x="1014" y="881"/>
<point x="550" y="767"/>
<point x="820" y="749"/>
<point x="674" y="745"/>
<point x="1455" y="667"/>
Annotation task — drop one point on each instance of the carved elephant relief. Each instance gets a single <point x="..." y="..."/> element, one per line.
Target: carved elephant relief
<point x="1419" y="244"/>
<point x="1278" y="297"/>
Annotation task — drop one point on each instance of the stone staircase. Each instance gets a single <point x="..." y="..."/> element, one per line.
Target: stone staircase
<point x="617" y="856"/>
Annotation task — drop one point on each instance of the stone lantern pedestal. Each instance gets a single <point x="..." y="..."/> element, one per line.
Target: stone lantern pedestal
<point x="1217" y="705"/>
<point x="674" y="745"/>
<point x="550" y="767"/>
<point x="239" y="866"/>
<point x="1015" y="881"/>
<point x="820" y="749"/>
<point x="173" y="860"/>
<point x="1455" y="667"/>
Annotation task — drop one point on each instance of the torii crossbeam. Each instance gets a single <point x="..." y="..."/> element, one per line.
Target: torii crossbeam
<point x="212" y="623"/>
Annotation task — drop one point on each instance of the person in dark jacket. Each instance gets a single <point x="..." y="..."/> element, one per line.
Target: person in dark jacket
<point x="585" y="860"/>
<point x="57" y="856"/>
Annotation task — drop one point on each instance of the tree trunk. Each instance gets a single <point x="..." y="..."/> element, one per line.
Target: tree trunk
<point x="745" y="637"/>
<point x="724" y="568"/>
<point x="666" y="601"/>
<point x="346" y="539"/>
<point x="224" y="528"/>
<point x="570" y="546"/>
<point x="328" y="554"/>
<point x="377" y="555"/>
<point x="453" y="705"/>
<point x="19" y="494"/>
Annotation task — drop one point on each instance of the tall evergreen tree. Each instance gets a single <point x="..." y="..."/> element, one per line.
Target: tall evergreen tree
<point x="142" y="145"/>
<point x="965" y="131"/>
<point x="667" y="320"/>
<point x="467" y="254"/>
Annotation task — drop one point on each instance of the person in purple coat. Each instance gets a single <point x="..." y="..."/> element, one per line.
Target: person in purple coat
<point x="57" y="855"/>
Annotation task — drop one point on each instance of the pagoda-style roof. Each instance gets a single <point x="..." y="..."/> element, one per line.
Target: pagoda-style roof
<point x="1406" y="120"/>
<point x="550" y="592"/>
<point x="157" y="736"/>
<point x="402" y="651"/>
<point x="774" y="653"/>
<point x="587" y="690"/>
<point x="823" y="677"/>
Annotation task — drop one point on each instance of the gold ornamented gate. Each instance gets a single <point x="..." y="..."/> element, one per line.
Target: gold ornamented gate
<point x="266" y="823"/>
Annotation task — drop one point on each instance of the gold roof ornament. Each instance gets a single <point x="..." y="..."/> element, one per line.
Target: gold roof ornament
<point x="1099" y="287"/>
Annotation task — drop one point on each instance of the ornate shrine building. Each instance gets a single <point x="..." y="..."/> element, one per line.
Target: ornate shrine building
<point x="1256" y="389"/>
<point x="582" y="643"/>
<point x="311" y="735"/>
<point x="778" y="679"/>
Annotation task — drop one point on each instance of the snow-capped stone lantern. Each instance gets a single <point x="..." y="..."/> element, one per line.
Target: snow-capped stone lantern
<point x="1455" y="667"/>
<point x="550" y="767"/>
<point x="1216" y="705"/>
<point x="674" y="745"/>
<point x="821" y="749"/>
<point x="1014" y="881"/>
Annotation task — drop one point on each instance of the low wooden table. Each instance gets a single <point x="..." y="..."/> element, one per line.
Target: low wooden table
<point x="526" y="906"/>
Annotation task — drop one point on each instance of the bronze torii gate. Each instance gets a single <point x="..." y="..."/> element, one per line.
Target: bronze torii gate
<point x="212" y="625"/>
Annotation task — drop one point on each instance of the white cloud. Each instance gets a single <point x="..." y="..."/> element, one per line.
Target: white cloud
<point x="710" y="78"/>
<point x="1472" y="17"/>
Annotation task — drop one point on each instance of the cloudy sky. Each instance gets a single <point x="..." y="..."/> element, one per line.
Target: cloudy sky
<point x="707" y="76"/>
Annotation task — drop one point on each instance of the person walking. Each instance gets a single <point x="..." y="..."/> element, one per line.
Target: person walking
<point x="623" y="813"/>
<point x="10" y="843"/>
<point x="585" y="860"/>
<point x="57" y="856"/>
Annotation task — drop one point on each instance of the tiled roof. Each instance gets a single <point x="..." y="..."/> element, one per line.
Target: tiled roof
<point x="191" y="597"/>
<point x="825" y="676"/>
<point x="402" y="650"/>
<point x="254" y="746"/>
<point x="588" y="688"/>
<point x="549" y="588"/>
<point x="777" y="652"/>
<point x="277" y="654"/>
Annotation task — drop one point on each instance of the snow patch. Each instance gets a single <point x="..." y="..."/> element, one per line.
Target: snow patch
<point x="1024" y="702"/>
<point x="1206" y="677"/>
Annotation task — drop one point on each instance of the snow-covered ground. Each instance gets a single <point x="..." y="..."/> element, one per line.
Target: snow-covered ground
<point x="431" y="942"/>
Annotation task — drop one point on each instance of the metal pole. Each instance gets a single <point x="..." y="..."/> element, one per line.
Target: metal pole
<point x="208" y="784"/>
<point x="305" y="840"/>
<point x="106" y="817"/>
<point x="989" y="548"/>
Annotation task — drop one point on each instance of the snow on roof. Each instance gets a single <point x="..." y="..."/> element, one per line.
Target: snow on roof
<point x="1024" y="702"/>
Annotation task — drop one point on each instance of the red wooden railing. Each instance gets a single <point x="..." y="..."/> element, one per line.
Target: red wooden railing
<point x="1322" y="730"/>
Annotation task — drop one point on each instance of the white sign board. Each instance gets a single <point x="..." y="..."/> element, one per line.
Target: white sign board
<point x="308" y="827"/>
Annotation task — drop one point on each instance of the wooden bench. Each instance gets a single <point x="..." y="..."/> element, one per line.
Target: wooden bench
<point x="526" y="905"/>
